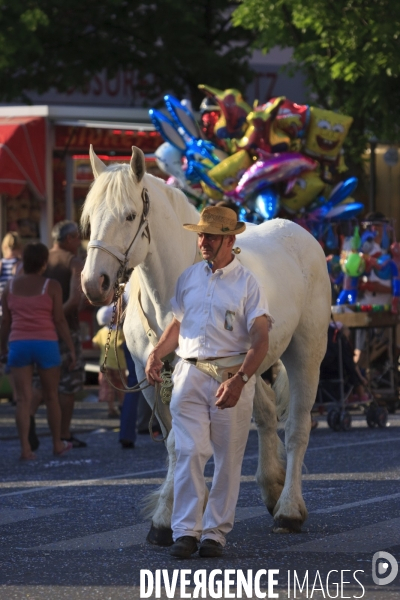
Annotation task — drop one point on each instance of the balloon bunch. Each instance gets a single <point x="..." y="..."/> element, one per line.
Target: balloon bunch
<point x="279" y="157"/>
<point x="363" y="258"/>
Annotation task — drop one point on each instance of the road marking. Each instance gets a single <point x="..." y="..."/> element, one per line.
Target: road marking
<point x="126" y="537"/>
<point x="363" y="539"/>
<point x="321" y="511"/>
<point x="114" y="539"/>
<point x="362" y="443"/>
<point x="338" y="446"/>
<point x="45" y="485"/>
<point x="13" y="515"/>
<point x="132" y="479"/>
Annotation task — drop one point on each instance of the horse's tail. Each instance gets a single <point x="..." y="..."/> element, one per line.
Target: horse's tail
<point x="281" y="389"/>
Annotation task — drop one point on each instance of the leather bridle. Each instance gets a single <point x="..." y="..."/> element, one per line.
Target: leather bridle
<point x="122" y="258"/>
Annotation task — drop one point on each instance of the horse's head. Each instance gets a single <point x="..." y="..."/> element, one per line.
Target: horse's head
<point x="116" y="210"/>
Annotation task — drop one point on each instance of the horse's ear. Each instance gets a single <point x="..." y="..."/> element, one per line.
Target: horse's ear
<point x="138" y="164"/>
<point x="97" y="165"/>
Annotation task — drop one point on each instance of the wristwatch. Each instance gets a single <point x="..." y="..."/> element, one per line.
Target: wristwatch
<point x="243" y="375"/>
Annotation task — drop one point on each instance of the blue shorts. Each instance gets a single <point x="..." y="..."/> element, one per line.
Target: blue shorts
<point x="45" y="354"/>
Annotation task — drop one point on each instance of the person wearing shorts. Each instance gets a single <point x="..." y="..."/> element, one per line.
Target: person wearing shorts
<point x="65" y="267"/>
<point x="33" y="318"/>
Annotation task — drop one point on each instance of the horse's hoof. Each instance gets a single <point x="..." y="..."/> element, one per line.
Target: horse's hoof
<point x="160" y="536"/>
<point x="285" y="525"/>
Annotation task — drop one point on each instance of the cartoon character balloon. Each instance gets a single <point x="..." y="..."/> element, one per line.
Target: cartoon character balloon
<point x="326" y="133"/>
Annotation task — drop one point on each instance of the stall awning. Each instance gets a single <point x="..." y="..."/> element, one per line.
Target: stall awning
<point x="23" y="155"/>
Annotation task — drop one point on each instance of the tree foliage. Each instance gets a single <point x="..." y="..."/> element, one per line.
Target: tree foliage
<point x="63" y="43"/>
<point x="349" y="51"/>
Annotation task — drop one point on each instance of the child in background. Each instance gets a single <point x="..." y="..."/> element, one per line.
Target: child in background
<point x="106" y="392"/>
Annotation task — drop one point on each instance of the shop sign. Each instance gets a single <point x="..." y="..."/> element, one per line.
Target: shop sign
<point x="106" y="140"/>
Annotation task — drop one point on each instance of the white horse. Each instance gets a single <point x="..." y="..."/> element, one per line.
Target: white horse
<point x="136" y="219"/>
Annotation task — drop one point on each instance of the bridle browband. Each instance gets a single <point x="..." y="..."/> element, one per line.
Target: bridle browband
<point x="122" y="258"/>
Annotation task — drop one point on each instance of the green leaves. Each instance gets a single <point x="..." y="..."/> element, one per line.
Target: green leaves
<point x="33" y="18"/>
<point x="348" y="50"/>
<point x="172" y="44"/>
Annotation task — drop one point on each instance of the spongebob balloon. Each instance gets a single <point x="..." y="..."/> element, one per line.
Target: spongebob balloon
<point x="227" y="174"/>
<point x="326" y="133"/>
<point x="307" y="187"/>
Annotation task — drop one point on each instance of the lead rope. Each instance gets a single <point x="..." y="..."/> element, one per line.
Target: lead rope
<point x="163" y="390"/>
<point x="117" y="302"/>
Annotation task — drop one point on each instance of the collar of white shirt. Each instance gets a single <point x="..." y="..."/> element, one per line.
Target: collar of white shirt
<point x="225" y="270"/>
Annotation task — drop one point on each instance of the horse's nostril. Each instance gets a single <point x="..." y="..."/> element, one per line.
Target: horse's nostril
<point x="105" y="284"/>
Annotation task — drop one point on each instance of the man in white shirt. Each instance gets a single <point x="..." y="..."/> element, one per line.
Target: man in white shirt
<point x="220" y="332"/>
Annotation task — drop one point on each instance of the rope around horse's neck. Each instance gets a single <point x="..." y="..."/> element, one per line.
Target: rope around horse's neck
<point x="162" y="390"/>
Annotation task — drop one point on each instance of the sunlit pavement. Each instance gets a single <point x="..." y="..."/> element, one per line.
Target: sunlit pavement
<point x="71" y="527"/>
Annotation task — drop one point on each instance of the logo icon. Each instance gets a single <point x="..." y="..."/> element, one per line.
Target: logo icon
<point x="385" y="564"/>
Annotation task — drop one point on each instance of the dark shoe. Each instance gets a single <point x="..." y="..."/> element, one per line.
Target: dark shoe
<point x="75" y="442"/>
<point x="32" y="436"/>
<point x="184" y="547"/>
<point x="210" y="549"/>
<point x="126" y="444"/>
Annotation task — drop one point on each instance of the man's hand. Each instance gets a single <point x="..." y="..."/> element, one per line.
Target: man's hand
<point x="229" y="391"/>
<point x="153" y="369"/>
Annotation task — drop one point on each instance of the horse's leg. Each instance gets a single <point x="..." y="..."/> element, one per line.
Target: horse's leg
<point x="158" y="504"/>
<point x="161" y="500"/>
<point x="302" y="360"/>
<point x="270" y="474"/>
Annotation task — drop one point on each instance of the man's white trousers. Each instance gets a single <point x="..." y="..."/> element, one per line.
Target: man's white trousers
<point x="201" y="430"/>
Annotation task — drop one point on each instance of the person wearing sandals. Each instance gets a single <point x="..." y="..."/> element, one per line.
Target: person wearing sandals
<point x="65" y="266"/>
<point x="33" y="318"/>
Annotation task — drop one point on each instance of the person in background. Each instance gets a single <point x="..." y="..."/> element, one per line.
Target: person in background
<point x="32" y="317"/>
<point x="65" y="266"/>
<point x="11" y="249"/>
<point x="116" y="365"/>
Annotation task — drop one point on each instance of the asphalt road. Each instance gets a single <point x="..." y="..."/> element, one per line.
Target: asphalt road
<point x="71" y="527"/>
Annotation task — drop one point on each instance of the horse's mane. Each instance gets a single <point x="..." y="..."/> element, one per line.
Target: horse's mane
<point x="184" y="210"/>
<point x="115" y="187"/>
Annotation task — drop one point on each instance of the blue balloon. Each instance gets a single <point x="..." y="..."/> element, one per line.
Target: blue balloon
<point x="341" y="212"/>
<point x="266" y="203"/>
<point x="386" y="270"/>
<point x="342" y="191"/>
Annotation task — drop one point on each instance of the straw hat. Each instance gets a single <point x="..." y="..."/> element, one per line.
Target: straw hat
<point x="217" y="220"/>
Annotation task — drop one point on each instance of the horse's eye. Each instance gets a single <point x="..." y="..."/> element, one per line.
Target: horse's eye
<point x="131" y="217"/>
